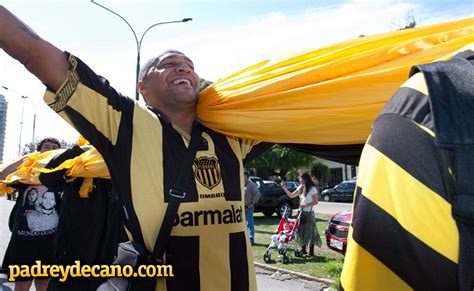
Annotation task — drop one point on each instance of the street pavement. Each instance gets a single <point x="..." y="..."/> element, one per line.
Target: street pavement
<point x="271" y="281"/>
<point x="5" y="209"/>
<point x="332" y="207"/>
<point x="266" y="280"/>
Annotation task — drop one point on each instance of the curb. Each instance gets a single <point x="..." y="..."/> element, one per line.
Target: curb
<point x="299" y="275"/>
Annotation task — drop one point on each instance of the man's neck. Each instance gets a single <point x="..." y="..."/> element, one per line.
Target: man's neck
<point x="184" y="119"/>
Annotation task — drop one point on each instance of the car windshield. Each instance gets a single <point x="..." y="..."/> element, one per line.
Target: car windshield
<point x="347" y="186"/>
<point x="351" y="186"/>
<point x="271" y="184"/>
<point x="341" y="187"/>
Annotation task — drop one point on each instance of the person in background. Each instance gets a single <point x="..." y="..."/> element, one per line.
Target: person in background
<point x="252" y="195"/>
<point x="90" y="223"/>
<point x="32" y="228"/>
<point x="308" y="193"/>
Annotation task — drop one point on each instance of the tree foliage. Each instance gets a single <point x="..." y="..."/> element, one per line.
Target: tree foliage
<point x="321" y="172"/>
<point x="279" y="161"/>
<point x="408" y="22"/>
<point x="204" y="84"/>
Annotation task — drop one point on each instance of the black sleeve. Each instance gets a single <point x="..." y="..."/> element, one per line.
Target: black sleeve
<point x="55" y="181"/>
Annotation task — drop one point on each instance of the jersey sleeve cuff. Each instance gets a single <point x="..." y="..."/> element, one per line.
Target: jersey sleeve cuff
<point x="58" y="101"/>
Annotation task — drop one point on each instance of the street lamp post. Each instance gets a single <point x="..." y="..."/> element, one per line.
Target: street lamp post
<point x="21" y="123"/>
<point x="34" y="124"/>
<point x="139" y="42"/>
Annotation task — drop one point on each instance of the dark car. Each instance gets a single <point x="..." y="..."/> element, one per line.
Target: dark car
<point x="342" y="192"/>
<point x="273" y="198"/>
<point x="291" y="185"/>
<point x="337" y="231"/>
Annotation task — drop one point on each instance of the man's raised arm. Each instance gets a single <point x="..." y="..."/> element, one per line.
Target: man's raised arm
<point x="41" y="58"/>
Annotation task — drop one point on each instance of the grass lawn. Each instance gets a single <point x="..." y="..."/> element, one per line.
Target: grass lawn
<point x="325" y="264"/>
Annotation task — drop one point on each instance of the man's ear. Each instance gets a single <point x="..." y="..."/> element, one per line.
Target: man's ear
<point x="142" y="88"/>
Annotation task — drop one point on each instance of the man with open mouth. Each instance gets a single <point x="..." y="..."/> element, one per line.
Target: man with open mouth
<point x="144" y="148"/>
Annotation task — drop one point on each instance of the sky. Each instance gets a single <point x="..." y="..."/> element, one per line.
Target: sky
<point x="224" y="36"/>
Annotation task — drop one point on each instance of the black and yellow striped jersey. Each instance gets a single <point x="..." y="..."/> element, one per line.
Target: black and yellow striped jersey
<point x="208" y="248"/>
<point x="403" y="235"/>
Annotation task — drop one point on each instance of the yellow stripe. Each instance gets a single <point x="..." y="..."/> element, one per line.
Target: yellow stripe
<point x="417" y="82"/>
<point x="364" y="272"/>
<point x="418" y="209"/>
<point x="426" y="129"/>
<point x="94" y="107"/>
<point x="210" y="255"/>
<point x="128" y="233"/>
<point x="147" y="153"/>
<point x="246" y="146"/>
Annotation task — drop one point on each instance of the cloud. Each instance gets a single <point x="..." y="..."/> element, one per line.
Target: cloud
<point x="222" y="50"/>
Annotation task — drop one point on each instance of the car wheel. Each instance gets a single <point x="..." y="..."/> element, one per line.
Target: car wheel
<point x="268" y="212"/>
<point x="327" y="198"/>
<point x="284" y="208"/>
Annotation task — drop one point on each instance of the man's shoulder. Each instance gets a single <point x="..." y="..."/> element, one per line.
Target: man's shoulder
<point x="411" y="101"/>
<point x="251" y="184"/>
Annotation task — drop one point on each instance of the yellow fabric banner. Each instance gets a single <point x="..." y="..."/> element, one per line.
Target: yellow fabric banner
<point x="28" y="172"/>
<point x="328" y="96"/>
<point x="89" y="164"/>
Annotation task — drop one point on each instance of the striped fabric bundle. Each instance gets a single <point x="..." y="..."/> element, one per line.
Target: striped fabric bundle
<point x="403" y="235"/>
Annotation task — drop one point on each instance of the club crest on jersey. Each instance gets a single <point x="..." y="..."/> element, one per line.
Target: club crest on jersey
<point x="207" y="171"/>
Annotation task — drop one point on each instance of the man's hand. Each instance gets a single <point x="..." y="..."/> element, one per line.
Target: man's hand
<point x="42" y="59"/>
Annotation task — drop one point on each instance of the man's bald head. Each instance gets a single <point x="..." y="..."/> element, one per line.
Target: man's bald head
<point x="154" y="61"/>
<point x="169" y="81"/>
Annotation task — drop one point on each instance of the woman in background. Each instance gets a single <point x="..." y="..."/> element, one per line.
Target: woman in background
<point x="307" y="232"/>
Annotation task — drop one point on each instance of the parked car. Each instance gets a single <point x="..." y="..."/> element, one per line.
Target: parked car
<point x="342" y="192"/>
<point x="273" y="198"/>
<point x="291" y="185"/>
<point x="337" y="231"/>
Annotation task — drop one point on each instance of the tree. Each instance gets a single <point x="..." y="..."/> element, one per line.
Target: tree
<point x="31" y="146"/>
<point x="280" y="160"/>
<point x="408" y="22"/>
<point x="321" y="172"/>
<point x="204" y="84"/>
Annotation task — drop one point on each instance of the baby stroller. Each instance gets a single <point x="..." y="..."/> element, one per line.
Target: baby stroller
<point x="284" y="235"/>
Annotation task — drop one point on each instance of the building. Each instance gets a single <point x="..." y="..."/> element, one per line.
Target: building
<point x="340" y="172"/>
<point x="3" y="124"/>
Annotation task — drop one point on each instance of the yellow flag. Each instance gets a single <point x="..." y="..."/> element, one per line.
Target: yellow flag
<point x="328" y="96"/>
